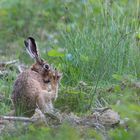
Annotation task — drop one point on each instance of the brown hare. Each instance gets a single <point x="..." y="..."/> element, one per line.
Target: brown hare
<point x="35" y="87"/>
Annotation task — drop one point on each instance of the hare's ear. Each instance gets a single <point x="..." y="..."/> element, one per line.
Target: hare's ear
<point x="31" y="48"/>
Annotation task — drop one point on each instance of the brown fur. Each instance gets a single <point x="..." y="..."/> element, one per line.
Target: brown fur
<point x="35" y="87"/>
<point x="30" y="91"/>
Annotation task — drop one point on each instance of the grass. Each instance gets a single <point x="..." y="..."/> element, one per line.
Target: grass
<point x="97" y="42"/>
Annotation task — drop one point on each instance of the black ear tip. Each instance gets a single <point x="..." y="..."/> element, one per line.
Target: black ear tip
<point x="31" y="38"/>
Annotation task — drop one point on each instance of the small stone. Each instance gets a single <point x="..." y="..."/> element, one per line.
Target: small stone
<point x="109" y="118"/>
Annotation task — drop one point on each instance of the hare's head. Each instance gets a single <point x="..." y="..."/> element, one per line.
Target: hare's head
<point x="40" y="66"/>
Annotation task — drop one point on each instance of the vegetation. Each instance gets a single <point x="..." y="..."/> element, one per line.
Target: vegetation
<point x="95" y="43"/>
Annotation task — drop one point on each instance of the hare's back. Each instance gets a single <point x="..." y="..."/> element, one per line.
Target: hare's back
<point x="28" y="82"/>
<point x="26" y="89"/>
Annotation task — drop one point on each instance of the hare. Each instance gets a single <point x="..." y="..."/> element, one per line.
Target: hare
<point x="36" y="87"/>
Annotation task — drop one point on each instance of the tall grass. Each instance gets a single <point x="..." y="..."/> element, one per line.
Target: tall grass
<point x="102" y="47"/>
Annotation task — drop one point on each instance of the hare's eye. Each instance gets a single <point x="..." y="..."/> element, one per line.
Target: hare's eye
<point x="46" y="66"/>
